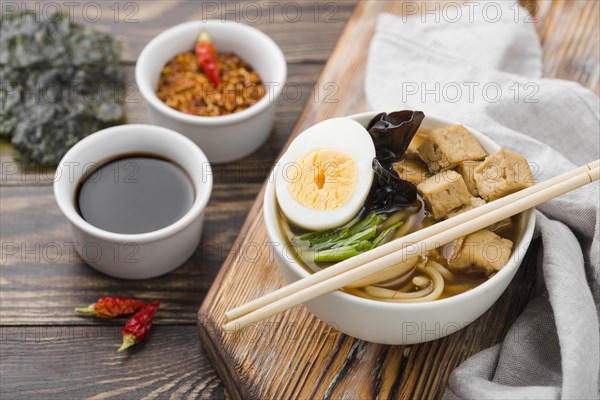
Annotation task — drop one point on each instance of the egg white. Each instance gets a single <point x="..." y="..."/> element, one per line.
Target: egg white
<point x="341" y="134"/>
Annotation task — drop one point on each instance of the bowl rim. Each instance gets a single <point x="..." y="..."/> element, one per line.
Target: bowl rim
<point x="176" y="31"/>
<point x="114" y="133"/>
<point x="275" y="236"/>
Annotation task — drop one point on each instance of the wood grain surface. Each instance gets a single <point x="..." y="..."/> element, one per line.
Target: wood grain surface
<point x="76" y="362"/>
<point x="47" y="352"/>
<point x="295" y="355"/>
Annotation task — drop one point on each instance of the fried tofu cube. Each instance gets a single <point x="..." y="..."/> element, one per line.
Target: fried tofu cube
<point x="483" y="250"/>
<point x="446" y="147"/>
<point x="417" y="140"/>
<point x="412" y="149"/>
<point x="444" y="192"/>
<point x="412" y="171"/>
<point x="502" y="173"/>
<point x="473" y="202"/>
<point x="467" y="170"/>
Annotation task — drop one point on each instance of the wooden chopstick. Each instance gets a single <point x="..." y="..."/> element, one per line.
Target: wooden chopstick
<point x="375" y="260"/>
<point x="396" y="245"/>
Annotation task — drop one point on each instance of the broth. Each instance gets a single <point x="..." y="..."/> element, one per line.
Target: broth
<point x="135" y="193"/>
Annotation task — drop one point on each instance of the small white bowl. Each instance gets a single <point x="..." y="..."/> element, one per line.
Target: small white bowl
<point x="133" y="256"/>
<point x="228" y="137"/>
<point x="397" y="323"/>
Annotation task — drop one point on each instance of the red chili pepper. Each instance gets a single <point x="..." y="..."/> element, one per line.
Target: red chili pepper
<point x="110" y="307"/>
<point x="206" y="56"/>
<point x="138" y="326"/>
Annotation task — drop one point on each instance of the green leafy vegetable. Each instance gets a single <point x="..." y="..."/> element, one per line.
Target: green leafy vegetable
<point x="371" y="220"/>
<point x="330" y="235"/>
<point x="339" y="244"/>
<point x="366" y="234"/>
<point x="327" y="237"/>
<point x="60" y="82"/>
<point x="336" y="254"/>
<point x="386" y="235"/>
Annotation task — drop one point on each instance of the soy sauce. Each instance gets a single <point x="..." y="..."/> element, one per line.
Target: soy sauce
<point x="136" y="193"/>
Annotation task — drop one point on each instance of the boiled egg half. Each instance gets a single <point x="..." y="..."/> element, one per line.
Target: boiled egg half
<point x="324" y="177"/>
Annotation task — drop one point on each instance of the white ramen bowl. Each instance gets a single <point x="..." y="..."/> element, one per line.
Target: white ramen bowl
<point x="228" y="137"/>
<point x="141" y="255"/>
<point x="400" y="323"/>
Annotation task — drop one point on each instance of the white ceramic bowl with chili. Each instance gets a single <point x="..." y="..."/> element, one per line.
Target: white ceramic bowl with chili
<point x="227" y="137"/>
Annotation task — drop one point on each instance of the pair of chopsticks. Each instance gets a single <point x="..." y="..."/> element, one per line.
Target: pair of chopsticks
<point x="351" y="270"/>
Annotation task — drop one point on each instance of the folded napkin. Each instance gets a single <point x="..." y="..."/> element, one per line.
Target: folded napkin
<point x="484" y="70"/>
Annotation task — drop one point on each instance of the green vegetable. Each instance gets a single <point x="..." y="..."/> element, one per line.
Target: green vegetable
<point x="60" y="82"/>
<point x="336" y="254"/>
<point x="358" y="237"/>
<point x="387" y="234"/>
<point x="330" y="235"/>
<point x="371" y="220"/>
<point x="363" y="245"/>
<point x="339" y="244"/>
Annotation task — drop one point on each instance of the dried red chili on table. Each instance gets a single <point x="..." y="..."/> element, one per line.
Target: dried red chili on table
<point x="138" y="326"/>
<point x="206" y="55"/>
<point x="110" y="307"/>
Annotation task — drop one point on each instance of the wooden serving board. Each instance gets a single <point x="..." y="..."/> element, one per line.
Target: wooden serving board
<point x="295" y="355"/>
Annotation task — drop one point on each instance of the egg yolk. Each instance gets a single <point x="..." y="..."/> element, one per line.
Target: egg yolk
<point x="322" y="179"/>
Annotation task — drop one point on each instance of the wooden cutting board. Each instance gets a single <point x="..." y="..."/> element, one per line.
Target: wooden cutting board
<point x="296" y="356"/>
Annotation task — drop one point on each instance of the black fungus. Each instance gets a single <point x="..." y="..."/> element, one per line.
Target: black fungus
<point x="391" y="134"/>
<point x="389" y="192"/>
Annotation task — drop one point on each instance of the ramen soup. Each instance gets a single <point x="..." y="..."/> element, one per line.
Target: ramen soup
<point x="136" y="193"/>
<point x="414" y="178"/>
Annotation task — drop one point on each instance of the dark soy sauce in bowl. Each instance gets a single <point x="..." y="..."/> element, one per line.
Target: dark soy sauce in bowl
<point x="135" y="193"/>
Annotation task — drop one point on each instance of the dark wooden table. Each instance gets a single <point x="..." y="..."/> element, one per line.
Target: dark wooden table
<point x="48" y="352"/>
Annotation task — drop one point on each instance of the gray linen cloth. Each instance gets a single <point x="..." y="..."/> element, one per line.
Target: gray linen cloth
<point x="484" y="70"/>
